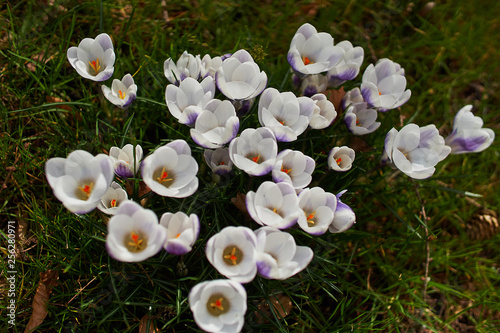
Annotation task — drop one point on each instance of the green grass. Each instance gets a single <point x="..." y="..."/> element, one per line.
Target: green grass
<point x="368" y="279"/>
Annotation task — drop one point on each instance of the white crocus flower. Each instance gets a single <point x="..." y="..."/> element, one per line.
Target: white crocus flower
<point x="324" y="112"/>
<point x="112" y="199"/>
<point x="254" y="151"/>
<point x="344" y="217"/>
<point x="278" y="256"/>
<point x="218" y="160"/>
<point x="122" y="93"/>
<point x="293" y="167"/>
<point x="209" y="66"/>
<point x="239" y="77"/>
<point x="218" y="306"/>
<point x="134" y="233"/>
<point x="232" y="251"/>
<point x="341" y="158"/>
<point x="353" y="96"/>
<point x="182" y="232"/>
<point x="361" y="119"/>
<point x="275" y="205"/>
<point x="318" y="209"/>
<point x="348" y="67"/>
<point x="93" y="59"/>
<point x="216" y="125"/>
<point x="187" y="66"/>
<point x="126" y="162"/>
<point x="384" y="85"/>
<point x="80" y="180"/>
<point x="312" y="52"/>
<point x="468" y="134"/>
<point x="415" y="150"/>
<point x="171" y="170"/>
<point x="285" y="114"/>
<point x="186" y="101"/>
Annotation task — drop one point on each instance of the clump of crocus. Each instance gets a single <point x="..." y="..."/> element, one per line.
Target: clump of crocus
<point x="218" y="305"/>
<point x="122" y="93"/>
<point x="134" y="233"/>
<point x="80" y="180"/>
<point x="93" y="59"/>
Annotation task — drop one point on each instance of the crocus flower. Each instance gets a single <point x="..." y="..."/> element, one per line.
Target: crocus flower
<point x="361" y="119"/>
<point x="134" y="233"/>
<point x="209" y="66"/>
<point x="285" y="114"/>
<point x="254" y="151"/>
<point x="239" y="77"/>
<point x="274" y="205"/>
<point x="171" y="170"/>
<point x="187" y="66"/>
<point x="186" y="101"/>
<point x="126" y="162"/>
<point x="348" y="67"/>
<point x="344" y="217"/>
<point x="232" y="251"/>
<point x="218" y="305"/>
<point x="384" y="85"/>
<point x="293" y="167"/>
<point x="415" y="150"/>
<point x="218" y="160"/>
<point x="341" y="158"/>
<point x="182" y="232"/>
<point x="311" y="84"/>
<point x="468" y="134"/>
<point x="278" y="256"/>
<point x="351" y="97"/>
<point x="93" y="58"/>
<point x="80" y="180"/>
<point x="112" y="199"/>
<point x="216" y="125"/>
<point x="318" y="209"/>
<point x="312" y="52"/>
<point x="324" y="112"/>
<point x="122" y="92"/>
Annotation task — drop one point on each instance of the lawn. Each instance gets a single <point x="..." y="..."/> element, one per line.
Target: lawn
<point x="423" y="255"/>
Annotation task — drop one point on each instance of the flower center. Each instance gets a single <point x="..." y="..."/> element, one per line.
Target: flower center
<point x="221" y="163"/>
<point x="309" y="218"/>
<point x="94" y="65"/>
<point x="287" y="171"/>
<point x="217" y="304"/>
<point x="135" y="243"/>
<point x="338" y="160"/>
<point x="256" y="159"/>
<point x="121" y="94"/>
<point x="177" y="236"/>
<point x="358" y="123"/>
<point x="307" y="61"/>
<point x="232" y="255"/>
<point x="83" y="192"/>
<point x="113" y="203"/>
<point x="163" y="177"/>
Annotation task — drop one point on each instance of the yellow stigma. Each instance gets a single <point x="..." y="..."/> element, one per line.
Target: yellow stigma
<point x="309" y="218"/>
<point x="121" y="94"/>
<point x="136" y="244"/>
<point x="95" y="66"/>
<point x="163" y="176"/>
<point x="287" y="171"/>
<point x="85" y="191"/>
<point x="113" y="203"/>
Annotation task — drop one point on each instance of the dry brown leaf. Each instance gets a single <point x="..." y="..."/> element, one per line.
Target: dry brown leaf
<point x="48" y="280"/>
<point x="51" y="99"/>
<point x="281" y="304"/>
<point x="143" y="325"/>
<point x="239" y="202"/>
<point x="335" y="96"/>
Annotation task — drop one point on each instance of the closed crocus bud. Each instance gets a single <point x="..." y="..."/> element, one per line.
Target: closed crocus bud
<point x="232" y="251"/>
<point x="278" y="255"/>
<point x="312" y="52"/>
<point x="348" y="67"/>
<point x="239" y="77"/>
<point x="318" y="209"/>
<point x="360" y="119"/>
<point x="274" y="205"/>
<point x="324" y="112"/>
<point x="80" y="180"/>
<point x="122" y="92"/>
<point x="218" y="160"/>
<point x="384" y="85"/>
<point x="182" y="232"/>
<point x="344" y="217"/>
<point x="134" y="233"/>
<point x="127" y="160"/>
<point x="112" y="199"/>
<point x="218" y="305"/>
<point x="171" y="170"/>
<point x="188" y="65"/>
<point x="468" y="134"/>
<point x="293" y="167"/>
<point x="254" y="151"/>
<point x="186" y="101"/>
<point x="415" y="150"/>
<point x="93" y="59"/>
<point x="216" y="125"/>
<point x="341" y="158"/>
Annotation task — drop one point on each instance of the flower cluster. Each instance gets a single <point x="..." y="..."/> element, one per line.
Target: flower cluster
<point x="83" y="182"/>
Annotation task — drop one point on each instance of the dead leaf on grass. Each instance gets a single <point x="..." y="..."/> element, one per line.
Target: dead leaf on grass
<point x="143" y="325"/>
<point x="282" y="306"/>
<point x="335" y="96"/>
<point x="51" y="99"/>
<point x="48" y="280"/>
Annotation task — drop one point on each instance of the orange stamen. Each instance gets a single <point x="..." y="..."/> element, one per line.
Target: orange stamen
<point x="307" y="61"/>
<point x="163" y="176"/>
<point x="256" y="159"/>
<point x="379" y="93"/>
<point x="113" y="203"/>
<point x="221" y="163"/>
<point x="177" y="236"/>
<point x="86" y="189"/>
<point x="122" y="95"/>
<point x="218" y="304"/>
<point x="232" y="256"/>
<point x="287" y="171"/>
<point x="95" y="65"/>
<point x="338" y="160"/>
